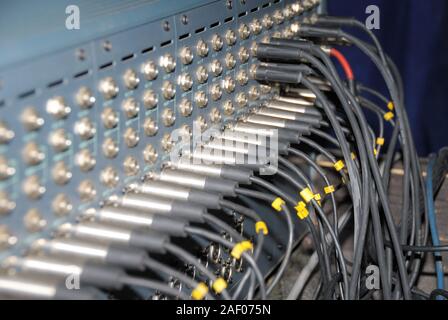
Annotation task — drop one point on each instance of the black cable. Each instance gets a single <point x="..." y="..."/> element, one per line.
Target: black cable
<point x="288" y="252"/>
<point x="247" y="257"/>
<point x="255" y="194"/>
<point x="220" y="225"/>
<point x="324" y="136"/>
<point x="301" y="186"/>
<point x="323" y="151"/>
<point x="259" y="245"/>
<point x="308" y="222"/>
<point x="158" y="266"/>
<point x="289" y="244"/>
<point x="374" y="168"/>
<point x="155" y="285"/>
<point x="239" y="208"/>
<point x="316" y="167"/>
<point x="379" y="245"/>
<point x="190" y="259"/>
<point x="351" y="22"/>
<point x="422" y="248"/>
<point x="438" y="292"/>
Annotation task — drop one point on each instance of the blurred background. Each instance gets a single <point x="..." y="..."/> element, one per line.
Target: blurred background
<point x="415" y="34"/>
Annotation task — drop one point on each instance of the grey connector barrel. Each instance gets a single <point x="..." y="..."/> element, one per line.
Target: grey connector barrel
<point x="161" y="206"/>
<point x="284" y="50"/>
<point x="126" y="257"/>
<point x="148" y="240"/>
<point x="130" y="218"/>
<point x="280" y="145"/>
<point x="90" y="293"/>
<point x="301" y="112"/>
<point x="301" y="127"/>
<point x="289" y="115"/>
<point x="306" y="45"/>
<point x="274" y="52"/>
<point x="247" y="148"/>
<point x="103" y="276"/>
<point x="289" y="67"/>
<point x="293" y="107"/>
<point x="231" y="147"/>
<point x="240" y="175"/>
<point x="263" y="73"/>
<point x="299" y="93"/>
<point x="214" y="170"/>
<point x="178" y="192"/>
<point x="23" y="287"/>
<point x="122" y="256"/>
<point x="231" y="135"/>
<point x="207" y="156"/>
<point x="270" y="131"/>
<point x="305" y="95"/>
<point x="193" y="180"/>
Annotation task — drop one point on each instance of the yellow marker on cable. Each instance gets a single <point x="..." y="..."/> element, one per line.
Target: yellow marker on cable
<point x="200" y="291"/>
<point x="302" y="211"/>
<point x="241" y="247"/>
<point x="329" y="189"/>
<point x="219" y="285"/>
<point x="390" y="106"/>
<point x="307" y="195"/>
<point x="277" y="204"/>
<point x="339" y="165"/>
<point x="317" y="197"/>
<point x="261" y="226"/>
<point x="380" y="141"/>
<point x="388" y="116"/>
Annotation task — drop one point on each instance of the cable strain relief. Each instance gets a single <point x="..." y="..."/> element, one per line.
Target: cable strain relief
<point x="126" y="257"/>
<point x="87" y="293"/>
<point x="189" y="211"/>
<point x="106" y="277"/>
<point x="175" y="228"/>
<point x="207" y="199"/>
<point x="151" y="241"/>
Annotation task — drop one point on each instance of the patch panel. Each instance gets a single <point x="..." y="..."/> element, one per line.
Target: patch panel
<point x="81" y="123"/>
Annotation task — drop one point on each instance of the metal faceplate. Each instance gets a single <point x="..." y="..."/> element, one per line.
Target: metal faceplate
<point x="55" y="160"/>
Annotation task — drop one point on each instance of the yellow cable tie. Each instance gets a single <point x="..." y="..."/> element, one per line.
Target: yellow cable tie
<point x="302" y="211"/>
<point x="307" y="195"/>
<point x="241" y="247"/>
<point x="247" y="245"/>
<point x="375" y="152"/>
<point x="200" y="291"/>
<point x="277" y="204"/>
<point x="353" y="155"/>
<point x="219" y="285"/>
<point x="390" y="106"/>
<point x="261" y="226"/>
<point x="380" y="141"/>
<point x="388" y="116"/>
<point x="339" y="165"/>
<point x="329" y="189"/>
<point x="317" y="197"/>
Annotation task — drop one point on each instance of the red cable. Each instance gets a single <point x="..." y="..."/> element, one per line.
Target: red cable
<point x="344" y="63"/>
